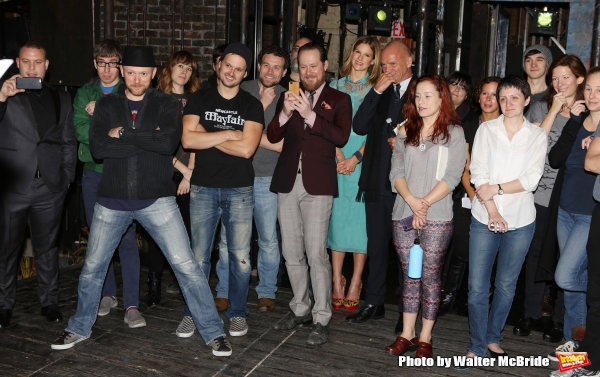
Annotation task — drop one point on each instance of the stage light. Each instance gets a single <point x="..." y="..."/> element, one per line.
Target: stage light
<point x="354" y="12"/>
<point x="545" y="22"/>
<point x="380" y="20"/>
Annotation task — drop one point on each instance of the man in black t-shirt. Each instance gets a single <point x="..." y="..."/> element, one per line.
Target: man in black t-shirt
<point x="224" y="125"/>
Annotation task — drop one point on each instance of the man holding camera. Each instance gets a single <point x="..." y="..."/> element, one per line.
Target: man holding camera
<point x="37" y="163"/>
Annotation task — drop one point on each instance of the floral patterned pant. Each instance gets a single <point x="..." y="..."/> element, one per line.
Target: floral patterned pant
<point x="425" y="292"/>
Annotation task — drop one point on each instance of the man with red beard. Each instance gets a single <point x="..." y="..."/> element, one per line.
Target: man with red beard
<point x="312" y="125"/>
<point x="136" y="132"/>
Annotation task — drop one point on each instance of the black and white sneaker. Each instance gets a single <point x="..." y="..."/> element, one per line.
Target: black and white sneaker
<point x="220" y="346"/>
<point x="186" y="327"/>
<point x="67" y="340"/>
<point x="238" y="326"/>
<point x="569" y="346"/>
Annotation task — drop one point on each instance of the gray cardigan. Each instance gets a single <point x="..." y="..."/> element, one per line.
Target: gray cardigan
<point x="419" y="169"/>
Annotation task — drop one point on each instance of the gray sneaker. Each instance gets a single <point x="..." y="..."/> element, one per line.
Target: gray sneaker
<point x="106" y="304"/>
<point x="67" y="340"/>
<point x="569" y="346"/>
<point x="134" y="318"/>
<point x="220" y="346"/>
<point x="238" y="326"/>
<point x="186" y="327"/>
<point x="173" y="287"/>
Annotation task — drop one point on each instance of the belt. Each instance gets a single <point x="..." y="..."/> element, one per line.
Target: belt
<point x="37" y="174"/>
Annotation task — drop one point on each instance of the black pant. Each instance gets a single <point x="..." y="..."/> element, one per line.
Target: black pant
<point x="379" y="233"/>
<point x="590" y="343"/>
<point x="156" y="259"/>
<point x="42" y="209"/>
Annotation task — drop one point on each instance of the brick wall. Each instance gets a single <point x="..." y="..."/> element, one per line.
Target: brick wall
<point x="203" y="27"/>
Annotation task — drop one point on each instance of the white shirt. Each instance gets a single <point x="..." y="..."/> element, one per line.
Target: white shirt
<point x="496" y="160"/>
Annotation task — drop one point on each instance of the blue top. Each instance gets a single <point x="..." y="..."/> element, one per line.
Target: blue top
<point x="106" y="89"/>
<point x="578" y="184"/>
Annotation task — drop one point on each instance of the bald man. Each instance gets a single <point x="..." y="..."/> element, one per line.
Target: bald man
<point x="293" y="74"/>
<point x="377" y="117"/>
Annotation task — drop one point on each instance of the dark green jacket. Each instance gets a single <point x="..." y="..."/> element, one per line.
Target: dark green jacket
<point x="82" y="121"/>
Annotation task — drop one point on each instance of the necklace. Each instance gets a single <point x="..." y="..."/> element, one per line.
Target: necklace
<point x="422" y="146"/>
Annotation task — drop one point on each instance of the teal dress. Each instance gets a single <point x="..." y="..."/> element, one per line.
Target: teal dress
<point x="348" y="224"/>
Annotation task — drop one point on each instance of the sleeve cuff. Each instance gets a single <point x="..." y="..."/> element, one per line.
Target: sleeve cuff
<point x="283" y="118"/>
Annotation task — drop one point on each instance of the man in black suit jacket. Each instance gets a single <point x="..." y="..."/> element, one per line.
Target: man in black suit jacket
<point x="38" y="153"/>
<point x="377" y="117"/>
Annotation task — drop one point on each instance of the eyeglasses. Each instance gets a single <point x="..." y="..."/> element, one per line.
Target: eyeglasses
<point x="103" y="64"/>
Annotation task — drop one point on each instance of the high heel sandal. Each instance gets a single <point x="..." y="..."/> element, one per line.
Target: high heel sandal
<point x="338" y="303"/>
<point x="353" y="304"/>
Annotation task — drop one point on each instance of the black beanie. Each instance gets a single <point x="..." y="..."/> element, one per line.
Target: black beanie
<point x="240" y="49"/>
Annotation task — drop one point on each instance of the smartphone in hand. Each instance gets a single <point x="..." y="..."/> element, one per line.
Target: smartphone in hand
<point x="32" y="83"/>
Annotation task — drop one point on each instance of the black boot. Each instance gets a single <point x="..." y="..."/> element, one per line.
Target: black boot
<point x="454" y="278"/>
<point x="153" y="289"/>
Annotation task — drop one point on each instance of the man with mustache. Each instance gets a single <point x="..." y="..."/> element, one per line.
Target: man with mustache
<point x="272" y="65"/>
<point x="305" y="178"/>
<point x="136" y="131"/>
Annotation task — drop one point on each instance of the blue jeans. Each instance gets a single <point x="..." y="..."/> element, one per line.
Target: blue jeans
<point x="163" y="222"/>
<point x="571" y="272"/>
<point x="265" y="216"/>
<point x="129" y="254"/>
<point x="232" y="206"/>
<point x="511" y="248"/>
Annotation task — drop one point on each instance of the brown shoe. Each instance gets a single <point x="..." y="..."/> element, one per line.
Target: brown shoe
<point x="221" y="303"/>
<point x="424" y="350"/>
<point x="266" y="304"/>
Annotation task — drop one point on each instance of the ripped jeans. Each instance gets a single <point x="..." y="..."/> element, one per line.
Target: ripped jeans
<point x="163" y="222"/>
<point x="234" y="207"/>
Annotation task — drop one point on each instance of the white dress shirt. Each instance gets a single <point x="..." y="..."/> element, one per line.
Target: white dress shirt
<point x="498" y="160"/>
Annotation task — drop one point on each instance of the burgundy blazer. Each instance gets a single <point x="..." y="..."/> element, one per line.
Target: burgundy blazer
<point x="331" y="129"/>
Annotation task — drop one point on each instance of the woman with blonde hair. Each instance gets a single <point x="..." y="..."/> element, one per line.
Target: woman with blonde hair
<point x="179" y="78"/>
<point x="347" y="227"/>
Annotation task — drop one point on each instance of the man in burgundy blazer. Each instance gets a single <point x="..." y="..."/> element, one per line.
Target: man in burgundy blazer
<point x="305" y="179"/>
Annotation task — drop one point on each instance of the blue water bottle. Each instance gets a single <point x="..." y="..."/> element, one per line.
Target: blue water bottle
<point x="415" y="259"/>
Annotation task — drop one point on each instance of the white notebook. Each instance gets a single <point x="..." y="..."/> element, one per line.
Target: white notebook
<point x="442" y="162"/>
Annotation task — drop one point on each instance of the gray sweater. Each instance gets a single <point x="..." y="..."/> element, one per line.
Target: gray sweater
<point x="264" y="160"/>
<point x="419" y="169"/>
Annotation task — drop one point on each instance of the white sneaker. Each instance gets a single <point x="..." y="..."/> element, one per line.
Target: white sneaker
<point x="579" y="372"/>
<point x="106" y="304"/>
<point x="220" y="346"/>
<point x="134" y="318"/>
<point x="186" y="327"/>
<point x="238" y="326"/>
<point x="569" y="346"/>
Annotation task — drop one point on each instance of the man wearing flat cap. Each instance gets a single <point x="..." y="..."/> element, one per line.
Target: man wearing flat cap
<point x="224" y="125"/>
<point x="136" y="131"/>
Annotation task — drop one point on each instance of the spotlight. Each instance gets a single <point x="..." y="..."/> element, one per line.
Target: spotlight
<point x="354" y="12"/>
<point x="545" y="22"/>
<point x="380" y="19"/>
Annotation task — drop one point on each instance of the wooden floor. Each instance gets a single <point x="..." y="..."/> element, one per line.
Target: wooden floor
<point x="115" y="350"/>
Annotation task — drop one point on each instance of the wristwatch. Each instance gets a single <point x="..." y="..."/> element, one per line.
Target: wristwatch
<point x="500" y="190"/>
<point x="121" y="132"/>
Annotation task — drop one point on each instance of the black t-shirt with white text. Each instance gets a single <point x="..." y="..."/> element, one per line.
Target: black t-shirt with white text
<point x="214" y="168"/>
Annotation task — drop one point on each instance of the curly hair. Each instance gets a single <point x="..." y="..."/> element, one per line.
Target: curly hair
<point x="446" y="119"/>
<point x="374" y="69"/>
<point x="479" y="88"/>
<point x="165" y="82"/>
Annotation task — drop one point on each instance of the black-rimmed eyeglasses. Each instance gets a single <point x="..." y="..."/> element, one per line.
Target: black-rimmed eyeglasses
<point x="103" y="64"/>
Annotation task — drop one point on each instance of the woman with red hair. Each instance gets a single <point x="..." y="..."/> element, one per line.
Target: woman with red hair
<point x="427" y="164"/>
